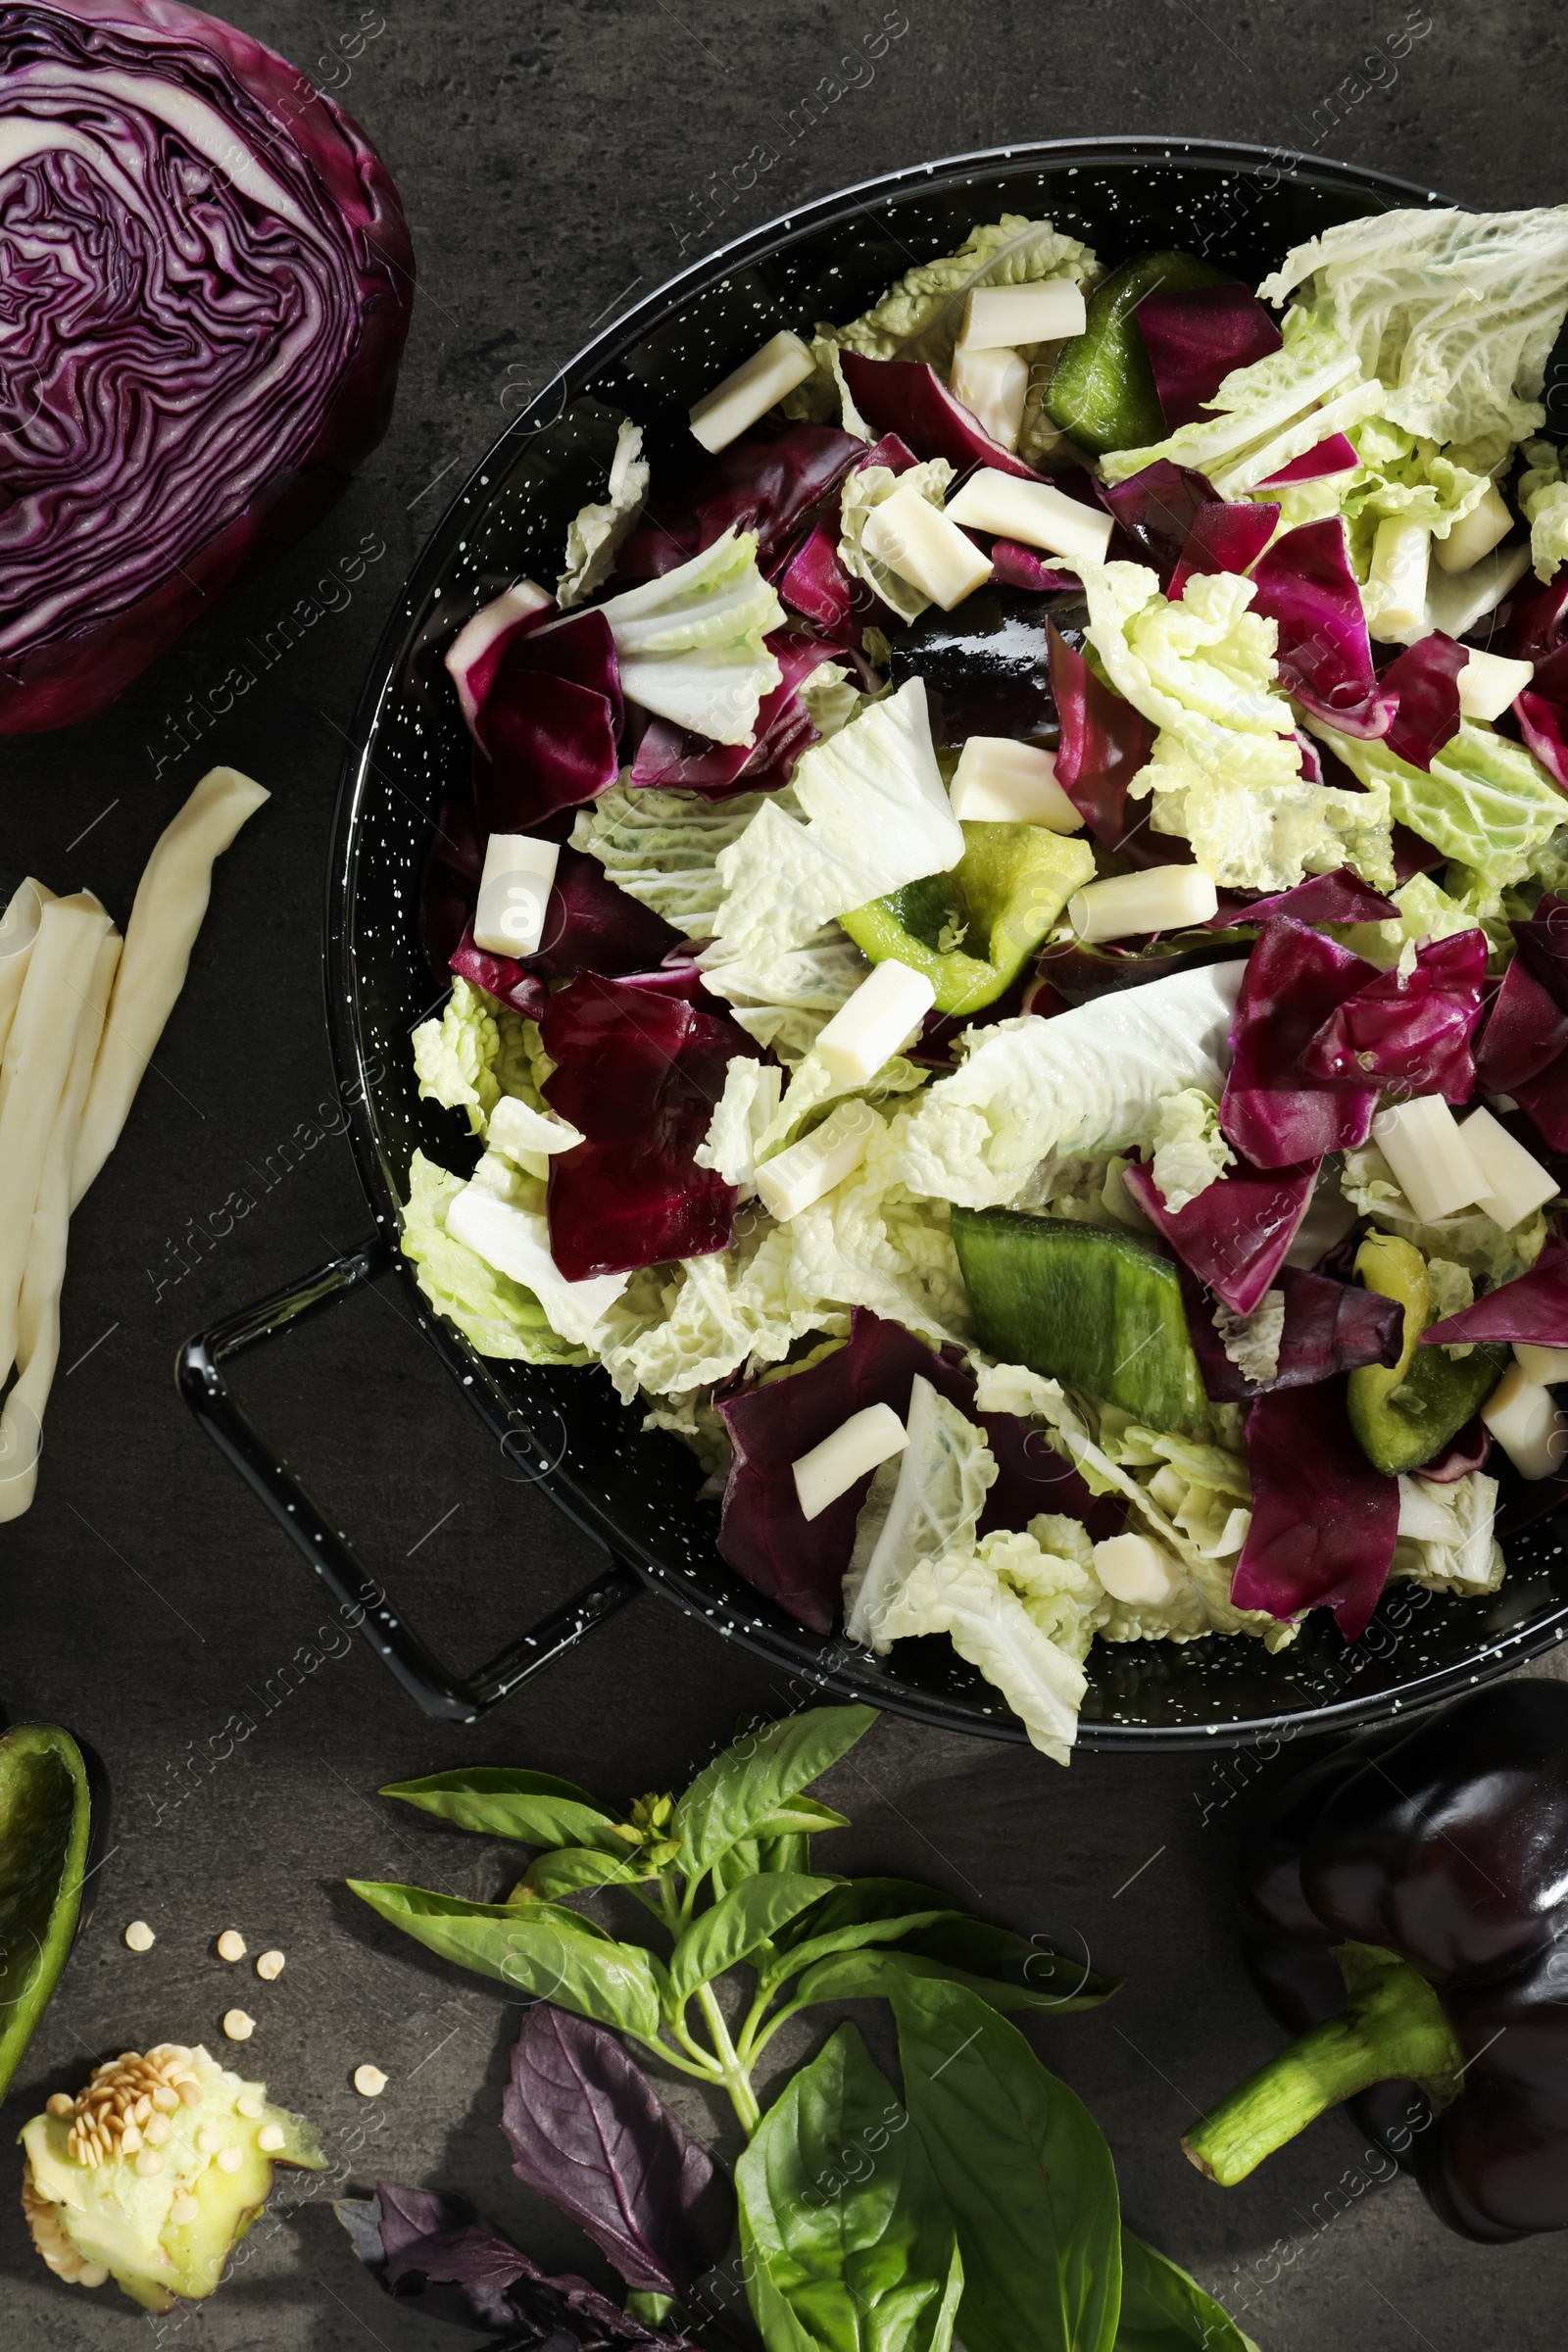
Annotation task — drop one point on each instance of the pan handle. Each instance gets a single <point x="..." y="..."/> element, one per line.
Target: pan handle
<point x="362" y="1600"/>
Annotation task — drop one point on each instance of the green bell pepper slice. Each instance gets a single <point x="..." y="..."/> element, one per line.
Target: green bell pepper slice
<point x="1002" y="897"/>
<point x="1404" y="1413"/>
<point x="45" y="1820"/>
<point x="1102" y="389"/>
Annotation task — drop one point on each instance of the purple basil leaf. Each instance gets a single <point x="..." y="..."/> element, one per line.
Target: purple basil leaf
<point x="908" y="398"/>
<point x="588" y="2130"/>
<point x="1224" y="538"/>
<point x="1157" y="509"/>
<point x="1412" y="1034"/>
<point x="766" y="484"/>
<point x="1422" y="692"/>
<point x="1338" y="898"/>
<point x="1275" y="1116"/>
<point x="1330" y="1327"/>
<point x="548" y="729"/>
<point x="1532" y="1307"/>
<point x="1235" y="1235"/>
<point x="639" y="1075"/>
<point x="1324" y="1521"/>
<point x="1336" y="455"/>
<point x="1195" y="340"/>
<point x="1306" y="587"/>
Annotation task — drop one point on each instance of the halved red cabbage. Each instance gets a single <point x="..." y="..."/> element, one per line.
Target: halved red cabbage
<point x="1533" y="1308"/>
<point x="1336" y="455"/>
<point x="1235" y="1235"/>
<point x="677" y="761"/>
<point x="1421" y="690"/>
<point x="1224" y="538"/>
<point x="1324" y="1521"/>
<point x="1157" y="508"/>
<point x="814" y="582"/>
<point x="766" y="484"/>
<point x="639" y="1075"/>
<point x="1338" y="898"/>
<point x="1411" y="1033"/>
<point x="208" y="279"/>
<point x="800" y="1562"/>
<point x="1273" y="1114"/>
<point x="548" y="729"/>
<point x="1306" y="587"/>
<point x="1330" y="1327"/>
<point x="908" y="398"/>
<point x="1194" y="341"/>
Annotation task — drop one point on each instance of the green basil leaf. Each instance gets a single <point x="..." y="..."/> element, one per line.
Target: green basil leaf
<point x="871" y="1975"/>
<point x="800" y="1956"/>
<point x="736" y="1925"/>
<point x="973" y="1951"/>
<point x="539" y="1949"/>
<point x="858" y="1899"/>
<point x="574" y="1868"/>
<point x="1026" y="2171"/>
<point x="847" y="2243"/>
<point x="1162" y="2310"/>
<point x="791" y="1852"/>
<point x="533" y="1806"/>
<point x="742" y="1860"/>
<point x="753" y="1780"/>
<point x="802" y="1813"/>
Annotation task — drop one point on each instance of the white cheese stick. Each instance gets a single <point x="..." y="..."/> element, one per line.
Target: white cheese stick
<point x="1489" y="685"/>
<point x="872" y="1024"/>
<point x="1456" y="601"/>
<point x="1160" y="897"/>
<point x="1401" y="556"/>
<point x="1527" y="1424"/>
<point x="1432" y="1165"/>
<point x="993" y="386"/>
<point x="1544" y="1367"/>
<point x="859" y="1446"/>
<point x="170" y="901"/>
<point x="19" y="928"/>
<point x="917" y="541"/>
<point x="1134" y="1569"/>
<point x="1000" y="782"/>
<point x="1513" y="1180"/>
<point x="1035" y="512"/>
<point x="750" y="390"/>
<point x="1041" y="313"/>
<point x="1475" y="534"/>
<point x="792" y="1180"/>
<point x="38" y="1311"/>
<point x="515" y="894"/>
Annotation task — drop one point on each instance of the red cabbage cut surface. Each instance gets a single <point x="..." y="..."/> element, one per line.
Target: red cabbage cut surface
<point x="677" y="761"/>
<point x="1105" y="743"/>
<point x="1338" y="898"/>
<point x="1532" y="1307"/>
<point x="1422" y="691"/>
<point x="1273" y="1114"/>
<point x="1468" y="1451"/>
<point x="1224" y="538"/>
<point x="1016" y="567"/>
<point x="1157" y="508"/>
<point x="1330" y="1327"/>
<point x="908" y="398"/>
<point x="800" y="1562"/>
<point x="1324" y="1521"/>
<point x="1235" y="1235"/>
<point x="761" y="483"/>
<point x="500" y="976"/>
<point x="1413" y="1034"/>
<point x="549" y="726"/>
<point x="1194" y="341"/>
<point x="207" y="278"/>
<point x="1337" y="454"/>
<point x="639" y="1075"/>
<point x="1306" y="587"/>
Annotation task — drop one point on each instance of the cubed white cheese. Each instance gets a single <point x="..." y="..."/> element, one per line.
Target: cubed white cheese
<point x="516" y="1128"/>
<point x="1161" y="898"/>
<point x="1039" y="314"/>
<point x="1475" y="534"/>
<point x="831" y="1469"/>
<point x="1134" y="1571"/>
<point x="1432" y="1163"/>
<point x="793" y="1179"/>
<point x="516" y="1242"/>
<point x="750" y="390"/>
<point x="1036" y="514"/>
<point x="1489" y="684"/>
<point x="514" y="893"/>
<point x="1545" y="1366"/>
<point x="1456" y="601"/>
<point x="888" y="1006"/>
<point x="1527" y="1424"/>
<point x="917" y="541"/>
<point x="1400" y="554"/>
<point x="1513" y="1180"/>
<point x="992" y="386"/>
<point x="1000" y="782"/>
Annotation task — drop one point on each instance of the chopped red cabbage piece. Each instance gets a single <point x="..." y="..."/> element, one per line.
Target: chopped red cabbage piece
<point x="1324" y="1521"/>
<point x="1421" y="690"/>
<point x="1233" y="1237"/>
<point x="475" y="654"/>
<point x="500" y="976"/>
<point x="1274" y="1116"/>
<point x="1306" y="587"/>
<point x="1330" y="1327"/>
<point x="450" y="883"/>
<point x="1524" y="1046"/>
<point x="814" y="582"/>
<point x="1535" y="621"/>
<point x="1532" y="1307"/>
<point x="548" y="729"/>
<point x="1413" y="1033"/>
<point x="639" y="1075"/>
<point x="1016" y="567"/>
<point x="1224" y="538"/>
<point x="1467" y="1451"/>
<point x="1338" y="898"/>
<point x="1157" y="509"/>
<point x="676" y="761"/>
<point x="908" y="398"/>
<point x="1104" y="744"/>
<point x="1543" y="709"/>
<point x="764" y="483"/>
<point x="1336" y="455"/>
<point x="1195" y="340"/>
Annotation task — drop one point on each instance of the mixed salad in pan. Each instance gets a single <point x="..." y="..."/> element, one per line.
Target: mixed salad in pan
<point x="1010" y="943"/>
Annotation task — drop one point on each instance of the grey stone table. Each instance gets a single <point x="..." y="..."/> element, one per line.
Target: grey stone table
<point x="557" y="160"/>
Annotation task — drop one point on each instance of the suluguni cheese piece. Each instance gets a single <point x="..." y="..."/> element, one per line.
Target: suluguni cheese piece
<point x="853" y="1449"/>
<point x="515" y="894"/>
<point x="1160" y="897"/>
<point x="919" y="542"/>
<point x="1400" y="554"/>
<point x="1475" y="534"/>
<point x="1545" y="1366"/>
<point x="1513" y="1180"/>
<point x="1000" y="782"/>
<point x="1456" y="601"/>
<point x="1432" y="1165"/>
<point x="1527" y="1424"/>
<point x="793" y="1179"/>
<point x="1041" y="313"/>
<point x="889" y="1004"/>
<point x="1137" y="1572"/>
<point x="992" y="386"/>
<point x="750" y="391"/>
<point x="1489" y="685"/>
<point x="1034" y="513"/>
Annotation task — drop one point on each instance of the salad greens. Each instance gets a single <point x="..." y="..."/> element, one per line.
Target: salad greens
<point x="981" y="2205"/>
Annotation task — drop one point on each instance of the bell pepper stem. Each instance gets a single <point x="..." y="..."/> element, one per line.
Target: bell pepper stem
<point x="1392" y="2028"/>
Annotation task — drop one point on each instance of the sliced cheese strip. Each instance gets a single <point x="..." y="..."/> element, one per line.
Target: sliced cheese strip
<point x="19" y="928"/>
<point x="170" y="901"/>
